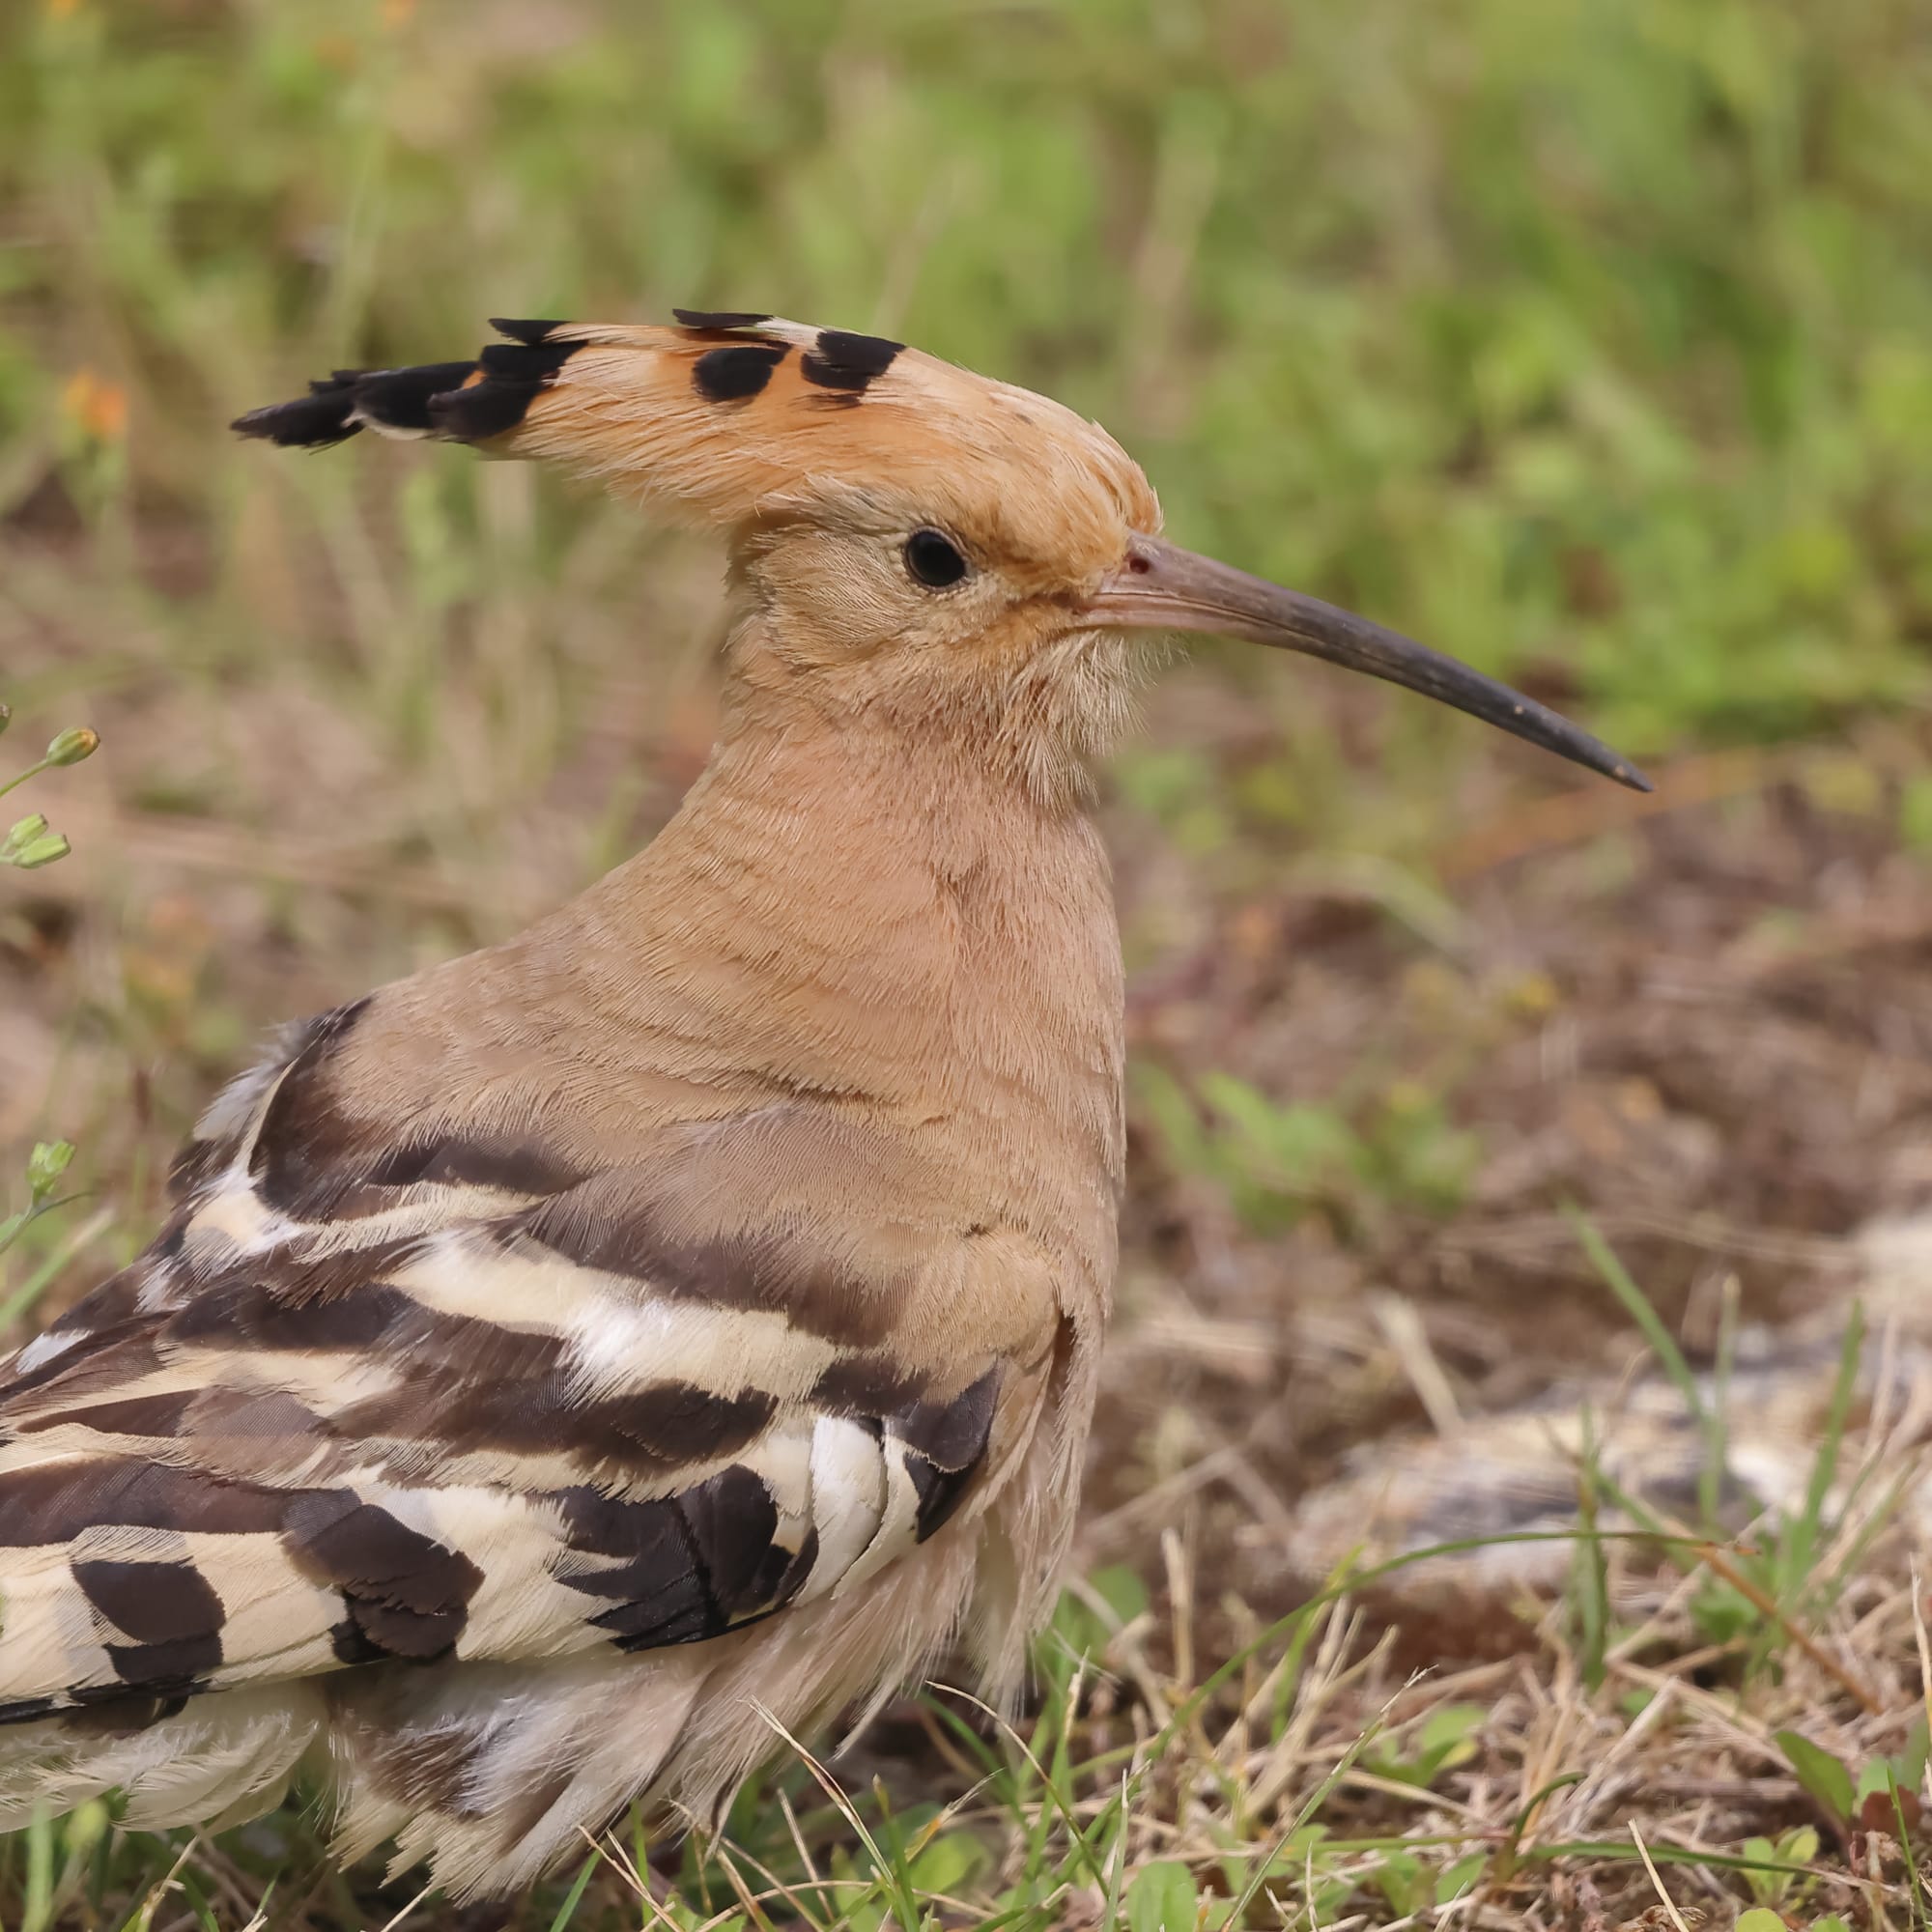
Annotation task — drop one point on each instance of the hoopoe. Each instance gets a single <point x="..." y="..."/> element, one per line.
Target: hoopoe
<point x="566" y="1365"/>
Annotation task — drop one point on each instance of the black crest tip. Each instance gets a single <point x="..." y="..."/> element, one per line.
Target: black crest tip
<point x="311" y="422"/>
<point x="529" y="333"/>
<point x="717" y="317"/>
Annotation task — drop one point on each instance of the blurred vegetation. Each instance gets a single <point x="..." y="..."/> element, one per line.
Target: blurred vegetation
<point x="1593" y="335"/>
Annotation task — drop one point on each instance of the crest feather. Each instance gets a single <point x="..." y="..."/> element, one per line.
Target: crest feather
<point x="729" y="415"/>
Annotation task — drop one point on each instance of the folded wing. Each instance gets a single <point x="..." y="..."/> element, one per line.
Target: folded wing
<point x="457" y="1403"/>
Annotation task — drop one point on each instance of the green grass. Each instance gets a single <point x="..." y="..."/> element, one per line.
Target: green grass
<point x="1588" y="339"/>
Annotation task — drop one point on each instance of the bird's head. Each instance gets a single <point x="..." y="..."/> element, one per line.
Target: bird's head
<point x="910" y="541"/>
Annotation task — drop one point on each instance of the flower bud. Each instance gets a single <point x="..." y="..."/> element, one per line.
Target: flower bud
<point x="20" y="835"/>
<point x="44" y="852"/>
<point x="48" y="1161"/>
<point x="77" y="742"/>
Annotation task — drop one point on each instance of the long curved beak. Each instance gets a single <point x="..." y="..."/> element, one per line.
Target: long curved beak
<point x="1162" y="587"/>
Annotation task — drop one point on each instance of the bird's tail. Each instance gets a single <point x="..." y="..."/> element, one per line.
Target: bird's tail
<point x="213" y="1762"/>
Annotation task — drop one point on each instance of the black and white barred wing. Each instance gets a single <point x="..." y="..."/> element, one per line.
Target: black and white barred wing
<point x="428" y="1414"/>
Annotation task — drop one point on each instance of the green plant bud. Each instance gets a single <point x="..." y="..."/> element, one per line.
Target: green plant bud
<point x="48" y="1161"/>
<point x="77" y="742"/>
<point x="44" y="852"/>
<point x="6" y="717"/>
<point x="20" y="835"/>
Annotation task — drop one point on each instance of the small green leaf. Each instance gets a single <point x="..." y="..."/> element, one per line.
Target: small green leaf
<point x="1822" y="1775"/>
<point x="1161" y="1898"/>
<point x="863" y="1916"/>
<point x="1447" y="1736"/>
<point x="1400" y="1880"/>
<point x="1761" y="1918"/>
<point x="1462" y="1878"/>
<point x="1443" y="1740"/>
<point x="1085" y="1629"/>
<point x="1120" y="1587"/>
<point x="1799" y="1845"/>
<point x="949" y="1861"/>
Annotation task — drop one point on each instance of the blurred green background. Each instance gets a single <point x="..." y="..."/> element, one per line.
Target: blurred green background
<point x="1591" y="335"/>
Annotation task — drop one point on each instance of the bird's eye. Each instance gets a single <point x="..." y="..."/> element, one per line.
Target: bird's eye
<point x="932" y="560"/>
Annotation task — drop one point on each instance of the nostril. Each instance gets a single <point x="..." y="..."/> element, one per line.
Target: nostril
<point x="1140" y="565"/>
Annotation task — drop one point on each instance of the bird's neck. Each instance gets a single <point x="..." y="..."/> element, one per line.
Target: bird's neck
<point x="855" y="908"/>
<point x="867" y="916"/>
<point x="846" y="923"/>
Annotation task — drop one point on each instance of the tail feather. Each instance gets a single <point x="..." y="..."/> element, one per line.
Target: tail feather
<point x="217" y="1761"/>
<point x="313" y="421"/>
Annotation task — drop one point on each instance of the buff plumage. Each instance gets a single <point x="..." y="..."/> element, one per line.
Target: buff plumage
<point x="564" y="1367"/>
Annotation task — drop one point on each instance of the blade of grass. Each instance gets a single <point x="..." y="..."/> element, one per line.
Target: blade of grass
<point x="1797" y="1546"/>
<point x="1670" y="1903"/>
<point x="1590" y="1570"/>
<point x="1510" y="1855"/>
<point x="1914" y="1884"/>
<point x="574" y="1895"/>
<point x="22" y="1298"/>
<point x="1638" y="1306"/>
<point x="1721" y="1564"/>
<point x="1716" y="1444"/>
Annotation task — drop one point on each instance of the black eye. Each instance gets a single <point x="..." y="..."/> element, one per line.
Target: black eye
<point x="932" y="560"/>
